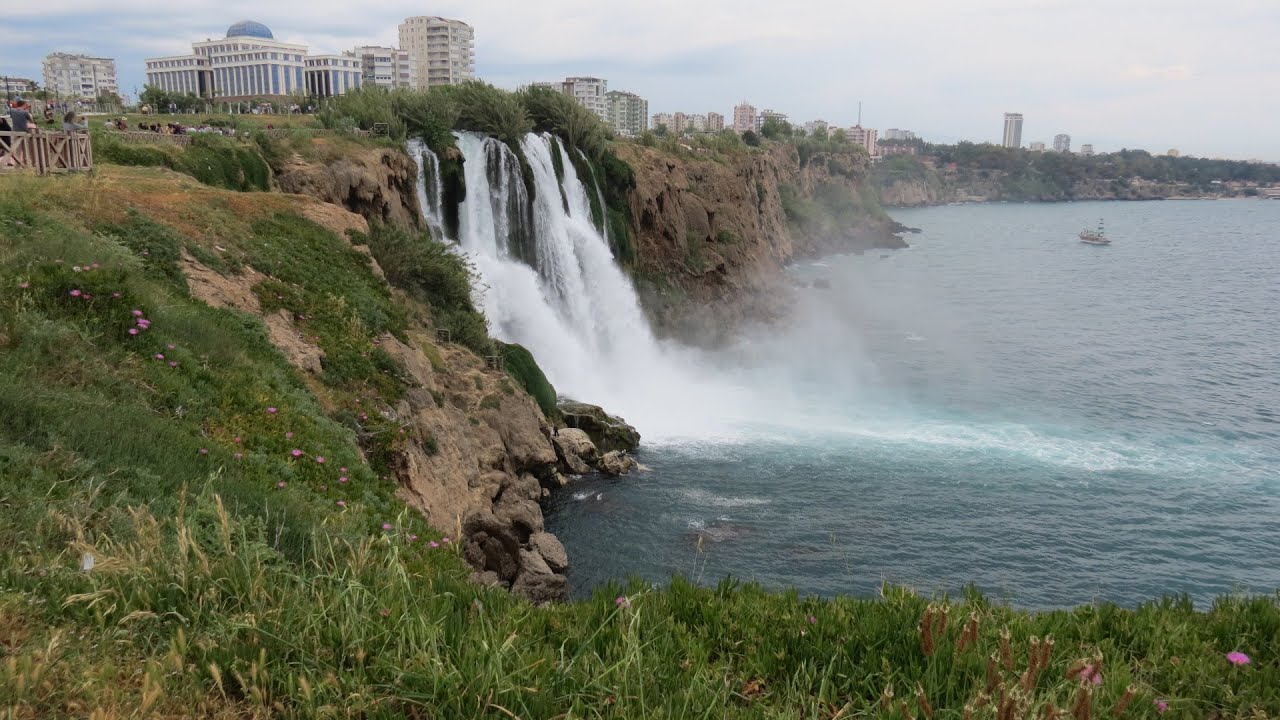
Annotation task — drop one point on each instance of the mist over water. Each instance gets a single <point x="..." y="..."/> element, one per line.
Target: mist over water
<point x="997" y="405"/>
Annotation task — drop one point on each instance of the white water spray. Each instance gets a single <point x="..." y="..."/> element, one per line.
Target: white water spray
<point x="570" y="304"/>
<point x="430" y="188"/>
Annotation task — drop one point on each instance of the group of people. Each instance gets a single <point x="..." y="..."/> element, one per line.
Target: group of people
<point x="20" y="117"/>
<point x="170" y="128"/>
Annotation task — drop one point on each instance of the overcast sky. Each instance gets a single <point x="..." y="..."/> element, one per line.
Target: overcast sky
<point x="1203" y="77"/>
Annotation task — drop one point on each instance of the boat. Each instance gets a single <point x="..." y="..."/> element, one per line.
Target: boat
<point x="1095" y="237"/>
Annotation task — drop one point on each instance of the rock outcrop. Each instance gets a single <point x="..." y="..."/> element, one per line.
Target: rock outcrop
<point x="713" y="236"/>
<point x="607" y="432"/>
<point x="376" y="183"/>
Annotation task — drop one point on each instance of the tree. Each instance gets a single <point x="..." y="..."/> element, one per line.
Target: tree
<point x="773" y="129"/>
<point x="661" y="131"/>
<point x="838" y="135"/>
<point x="749" y="137"/>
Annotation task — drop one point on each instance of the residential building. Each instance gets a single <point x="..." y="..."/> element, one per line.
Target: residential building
<point x="680" y="123"/>
<point x="442" y="50"/>
<point x="664" y="120"/>
<point x="1086" y="150"/>
<point x="80" y="77"/>
<point x="715" y="122"/>
<point x="744" y="117"/>
<point x="1037" y="146"/>
<point x="10" y="86"/>
<point x="1012" y="130"/>
<point x="866" y="137"/>
<point x="814" y="126"/>
<point x="385" y="67"/>
<point x="1062" y="143"/>
<point x="886" y="150"/>
<point x="896" y="134"/>
<point x="626" y="113"/>
<point x="768" y="114"/>
<point x="589" y="91"/>
<point x="1173" y="152"/>
<point x="181" y="75"/>
<point x="330" y="75"/>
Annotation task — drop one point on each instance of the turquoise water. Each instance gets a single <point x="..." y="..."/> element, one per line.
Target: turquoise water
<point x="999" y="405"/>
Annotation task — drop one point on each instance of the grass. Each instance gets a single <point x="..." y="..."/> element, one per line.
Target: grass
<point x="215" y="592"/>
<point x="213" y="160"/>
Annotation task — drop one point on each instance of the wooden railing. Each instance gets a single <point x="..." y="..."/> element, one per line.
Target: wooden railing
<point x="45" y="152"/>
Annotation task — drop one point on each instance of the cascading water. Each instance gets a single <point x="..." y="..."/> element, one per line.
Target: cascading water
<point x="548" y="281"/>
<point x="430" y="189"/>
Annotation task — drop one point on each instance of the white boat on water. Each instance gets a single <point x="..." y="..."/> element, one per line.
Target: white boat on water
<point x="1095" y="237"/>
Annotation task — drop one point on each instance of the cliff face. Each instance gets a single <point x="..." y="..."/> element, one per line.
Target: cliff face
<point x="376" y="183"/>
<point x="713" y="237"/>
<point x="942" y="186"/>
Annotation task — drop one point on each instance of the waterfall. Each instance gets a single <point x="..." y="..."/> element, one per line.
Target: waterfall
<point x="548" y="281"/>
<point x="430" y="190"/>
<point x="604" y="209"/>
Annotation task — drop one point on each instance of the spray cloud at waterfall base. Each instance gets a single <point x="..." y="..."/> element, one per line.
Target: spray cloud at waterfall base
<point x="548" y="281"/>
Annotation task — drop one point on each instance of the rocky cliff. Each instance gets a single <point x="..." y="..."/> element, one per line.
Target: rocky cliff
<point x="714" y="234"/>
<point x="931" y="186"/>
<point x="376" y="183"/>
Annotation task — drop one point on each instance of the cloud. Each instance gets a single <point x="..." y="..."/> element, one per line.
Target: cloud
<point x="1170" y="72"/>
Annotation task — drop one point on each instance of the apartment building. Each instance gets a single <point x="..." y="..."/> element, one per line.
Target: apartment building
<point x="626" y="113"/>
<point x="79" y="77"/>
<point x="744" y="117"/>
<point x="442" y="50"/>
<point x="385" y="67"/>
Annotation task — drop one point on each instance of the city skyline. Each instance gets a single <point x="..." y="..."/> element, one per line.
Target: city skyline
<point x="1157" y="79"/>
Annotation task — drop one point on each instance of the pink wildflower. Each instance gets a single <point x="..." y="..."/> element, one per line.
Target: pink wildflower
<point x="1161" y="706"/>
<point x="289" y="434"/>
<point x="342" y="503"/>
<point x="622" y="602"/>
<point x="386" y="526"/>
<point x="434" y="544"/>
<point x="115" y="295"/>
<point x="159" y="356"/>
<point x="1238" y="658"/>
<point x="173" y="363"/>
<point x="412" y="538"/>
<point x="280" y="484"/>
<point x="170" y="346"/>
<point x="320" y="459"/>
<point x="236" y="440"/>
<point x="296" y="452"/>
<point x="813" y="620"/>
<point x="239" y="456"/>
<point x="137" y="313"/>
<point x="271" y="411"/>
<point x="204" y="451"/>
<point x="342" y="479"/>
<point x="445" y="540"/>
<point x="133" y="331"/>
<point x="75" y="293"/>
<point x="342" y="470"/>
<point x="24" y="285"/>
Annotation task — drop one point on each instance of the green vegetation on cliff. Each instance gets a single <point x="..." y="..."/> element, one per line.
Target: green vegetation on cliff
<point x="211" y="159"/>
<point x="176" y="547"/>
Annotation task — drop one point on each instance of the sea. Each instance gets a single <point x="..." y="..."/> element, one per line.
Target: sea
<point x="998" y="406"/>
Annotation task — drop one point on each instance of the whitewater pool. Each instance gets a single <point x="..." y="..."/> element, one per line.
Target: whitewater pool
<point x="998" y="405"/>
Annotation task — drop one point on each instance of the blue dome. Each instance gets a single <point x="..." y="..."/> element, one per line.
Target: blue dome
<point x="249" y="28"/>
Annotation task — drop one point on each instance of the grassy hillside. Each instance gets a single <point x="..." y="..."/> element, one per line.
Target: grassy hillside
<point x="248" y="562"/>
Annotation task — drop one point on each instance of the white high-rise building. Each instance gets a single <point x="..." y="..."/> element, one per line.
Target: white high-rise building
<point x="589" y="91"/>
<point x="385" y="66"/>
<point x="443" y="50"/>
<point x="1012" y="130"/>
<point x="79" y="77"/>
<point x="248" y="63"/>
<point x="1086" y="150"/>
<point x="1037" y="146"/>
<point x="744" y="117"/>
<point x="1062" y="143"/>
<point x="896" y="134"/>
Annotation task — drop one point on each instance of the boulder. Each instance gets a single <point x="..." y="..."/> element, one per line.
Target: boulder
<point x="551" y="550"/>
<point x="608" y="432"/>
<point x="541" y="589"/>
<point x="617" y="463"/>
<point x="532" y="562"/>
<point x="575" y="450"/>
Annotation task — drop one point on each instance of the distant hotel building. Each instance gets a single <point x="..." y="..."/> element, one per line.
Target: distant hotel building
<point x="590" y="92"/>
<point x="896" y="134"/>
<point x="1012" y="130"/>
<point x="16" y="86"/>
<point x="248" y="63"/>
<point x="744" y="117"/>
<point x="626" y="113"/>
<point x="1037" y="146"/>
<point x="79" y="77"/>
<point x="866" y="137"/>
<point x="769" y="114"/>
<point x="1062" y="143"/>
<point x="442" y="50"/>
<point x="1086" y="150"/>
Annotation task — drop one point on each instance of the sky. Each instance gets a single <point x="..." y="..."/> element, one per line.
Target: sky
<point x="1198" y="76"/>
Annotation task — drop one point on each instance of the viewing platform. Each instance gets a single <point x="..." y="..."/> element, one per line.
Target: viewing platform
<point x="45" y="152"/>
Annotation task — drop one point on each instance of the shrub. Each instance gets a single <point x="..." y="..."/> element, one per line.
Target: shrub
<point x="524" y="369"/>
<point x="486" y="109"/>
<point x="558" y="113"/>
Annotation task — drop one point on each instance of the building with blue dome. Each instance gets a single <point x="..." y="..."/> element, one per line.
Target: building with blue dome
<point x="248" y="63"/>
<point x="249" y="28"/>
